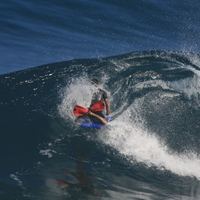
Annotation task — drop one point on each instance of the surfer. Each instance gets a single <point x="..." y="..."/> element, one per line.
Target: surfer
<point x="99" y="95"/>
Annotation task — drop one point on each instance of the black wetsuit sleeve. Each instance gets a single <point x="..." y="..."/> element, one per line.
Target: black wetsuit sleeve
<point x="105" y="96"/>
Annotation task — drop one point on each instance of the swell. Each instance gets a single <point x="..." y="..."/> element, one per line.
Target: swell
<point x="154" y="101"/>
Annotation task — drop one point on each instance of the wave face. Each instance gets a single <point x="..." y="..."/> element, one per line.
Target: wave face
<point x="150" y="149"/>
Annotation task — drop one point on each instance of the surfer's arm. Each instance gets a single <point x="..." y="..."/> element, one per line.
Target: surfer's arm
<point x="107" y="106"/>
<point x="103" y="120"/>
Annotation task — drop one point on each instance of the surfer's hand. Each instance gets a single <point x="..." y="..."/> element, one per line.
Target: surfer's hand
<point x="89" y="112"/>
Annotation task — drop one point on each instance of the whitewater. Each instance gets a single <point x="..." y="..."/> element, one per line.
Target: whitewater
<point x="146" y="56"/>
<point x="152" y="139"/>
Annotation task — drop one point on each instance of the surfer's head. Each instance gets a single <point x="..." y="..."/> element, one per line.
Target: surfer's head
<point x="95" y="82"/>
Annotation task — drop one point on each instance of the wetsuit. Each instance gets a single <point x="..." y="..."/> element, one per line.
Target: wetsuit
<point x="99" y="95"/>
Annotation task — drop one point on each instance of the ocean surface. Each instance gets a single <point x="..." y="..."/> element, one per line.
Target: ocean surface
<point x="145" y="54"/>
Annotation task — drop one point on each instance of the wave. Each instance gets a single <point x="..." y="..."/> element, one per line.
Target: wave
<point x="155" y="108"/>
<point x="155" y="115"/>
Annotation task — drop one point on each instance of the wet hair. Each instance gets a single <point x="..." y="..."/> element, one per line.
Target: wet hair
<point x="94" y="81"/>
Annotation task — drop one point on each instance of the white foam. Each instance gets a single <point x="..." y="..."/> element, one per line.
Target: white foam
<point x="128" y="133"/>
<point x="47" y="152"/>
<point x="131" y="139"/>
<point x="79" y="91"/>
<point x="16" y="178"/>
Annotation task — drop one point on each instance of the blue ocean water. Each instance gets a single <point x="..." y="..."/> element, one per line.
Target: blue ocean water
<point x="146" y="55"/>
<point x="40" y="32"/>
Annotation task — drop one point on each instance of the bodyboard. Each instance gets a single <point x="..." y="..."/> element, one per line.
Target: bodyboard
<point x="89" y="123"/>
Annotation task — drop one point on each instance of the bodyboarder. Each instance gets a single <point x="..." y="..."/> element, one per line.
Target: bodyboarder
<point x="99" y="95"/>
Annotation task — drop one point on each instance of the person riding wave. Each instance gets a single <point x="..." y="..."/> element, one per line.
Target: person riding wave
<point x="99" y="95"/>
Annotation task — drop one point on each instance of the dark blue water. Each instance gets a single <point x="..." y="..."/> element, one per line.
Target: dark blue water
<point x="40" y="32"/>
<point x="146" y="55"/>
